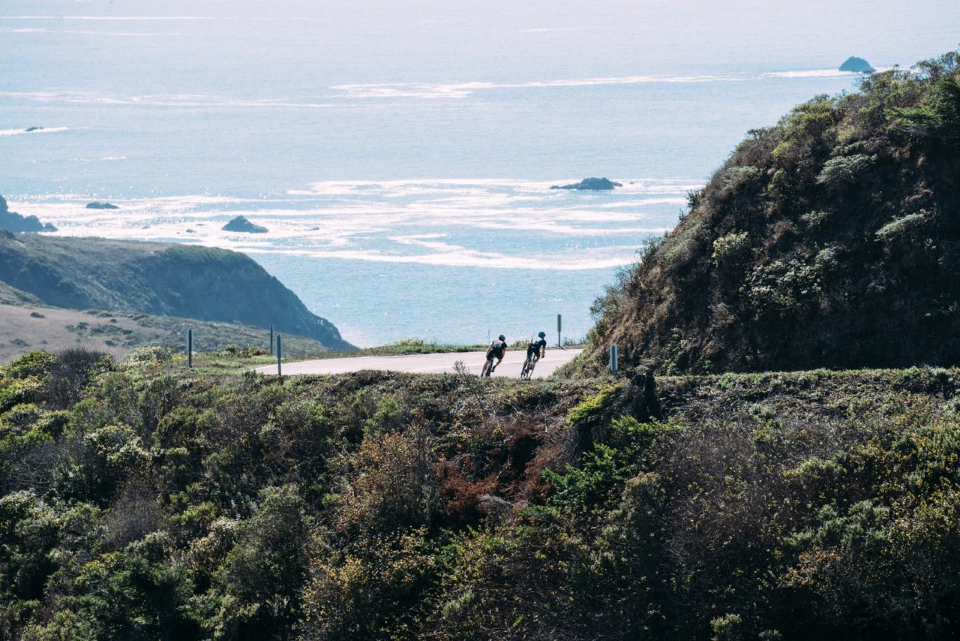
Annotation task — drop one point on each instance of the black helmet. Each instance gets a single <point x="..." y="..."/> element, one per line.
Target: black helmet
<point x="502" y="337"/>
<point x="542" y="335"/>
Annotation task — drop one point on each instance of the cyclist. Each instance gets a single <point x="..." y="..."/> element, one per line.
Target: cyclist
<point x="497" y="349"/>
<point x="535" y="351"/>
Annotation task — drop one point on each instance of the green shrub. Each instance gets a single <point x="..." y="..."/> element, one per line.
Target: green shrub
<point x="592" y="407"/>
<point x="731" y="248"/>
<point x="736" y="179"/>
<point x="845" y="170"/>
<point x="903" y="231"/>
<point x="783" y="287"/>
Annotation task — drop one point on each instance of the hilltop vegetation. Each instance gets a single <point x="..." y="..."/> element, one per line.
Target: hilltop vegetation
<point x="136" y="504"/>
<point x="831" y="239"/>
<point x="158" y="279"/>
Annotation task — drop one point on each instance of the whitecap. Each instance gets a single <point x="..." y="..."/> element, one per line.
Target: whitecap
<point x="549" y="30"/>
<point x="163" y="100"/>
<point x="466" y="89"/>
<point x="44" y="130"/>
<point x="112" y="18"/>
<point x="811" y="73"/>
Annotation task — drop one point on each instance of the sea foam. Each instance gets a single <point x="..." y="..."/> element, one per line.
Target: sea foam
<point x="473" y="223"/>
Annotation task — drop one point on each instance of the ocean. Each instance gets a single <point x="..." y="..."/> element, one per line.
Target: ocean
<point x="401" y="154"/>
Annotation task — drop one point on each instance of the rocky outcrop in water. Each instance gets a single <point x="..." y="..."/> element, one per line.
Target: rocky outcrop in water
<point x="12" y="221"/>
<point x="591" y="184"/>
<point x="241" y="224"/>
<point x="99" y="205"/>
<point x="857" y="65"/>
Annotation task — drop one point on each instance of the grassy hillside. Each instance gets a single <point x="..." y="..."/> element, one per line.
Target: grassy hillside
<point x="25" y="328"/>
<point x="831" y="239"/>
<point x="136" y="504"/>
<point x="158" y="279"/>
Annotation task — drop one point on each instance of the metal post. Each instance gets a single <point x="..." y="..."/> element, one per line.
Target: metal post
<point x="279" y="354"/>
<point x="613" y="359"/>
<point x="271" y="339"/>
<point x="189" y="347"/>
<point x="559" y="326"/>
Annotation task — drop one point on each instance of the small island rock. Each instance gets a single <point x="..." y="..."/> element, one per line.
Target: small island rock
<point x="99" y="205"/>
<point x="241" y="224"/>
<point x="857" y="65"/>
<point x="32" y="129"/>
<point x="591" y="184"/>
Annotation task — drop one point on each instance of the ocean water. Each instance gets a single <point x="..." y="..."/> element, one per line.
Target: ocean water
<point x="401" y="154"/>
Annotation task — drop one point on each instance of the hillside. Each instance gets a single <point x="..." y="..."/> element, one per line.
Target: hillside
<point x="158" y="279"/>
<point x="25" y="328"/>
<point x="13" y="296"/>
<point x="831" y="239"/>
<point x="137" y="504"/>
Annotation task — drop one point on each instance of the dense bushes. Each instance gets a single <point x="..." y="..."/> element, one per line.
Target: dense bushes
<point x="780" y="506"/>
<point x="828" y="240"/>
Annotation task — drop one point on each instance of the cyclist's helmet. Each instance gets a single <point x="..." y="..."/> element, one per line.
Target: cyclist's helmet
<point x="502" y="337"/>
<point x="542" y="335"/>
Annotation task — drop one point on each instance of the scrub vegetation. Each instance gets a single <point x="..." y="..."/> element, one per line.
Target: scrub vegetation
<point x="25" y="328"/>
<point x="140" y="504"/>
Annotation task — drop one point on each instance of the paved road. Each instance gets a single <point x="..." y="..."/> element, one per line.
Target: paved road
<point x="427" y="363"/>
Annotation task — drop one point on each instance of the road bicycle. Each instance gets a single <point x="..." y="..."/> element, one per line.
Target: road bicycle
<point x="528" y="366"/>
<point x="488" y="368"/>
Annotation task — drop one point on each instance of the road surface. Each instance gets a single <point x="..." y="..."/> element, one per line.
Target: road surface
<point x="427" y="363"/>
